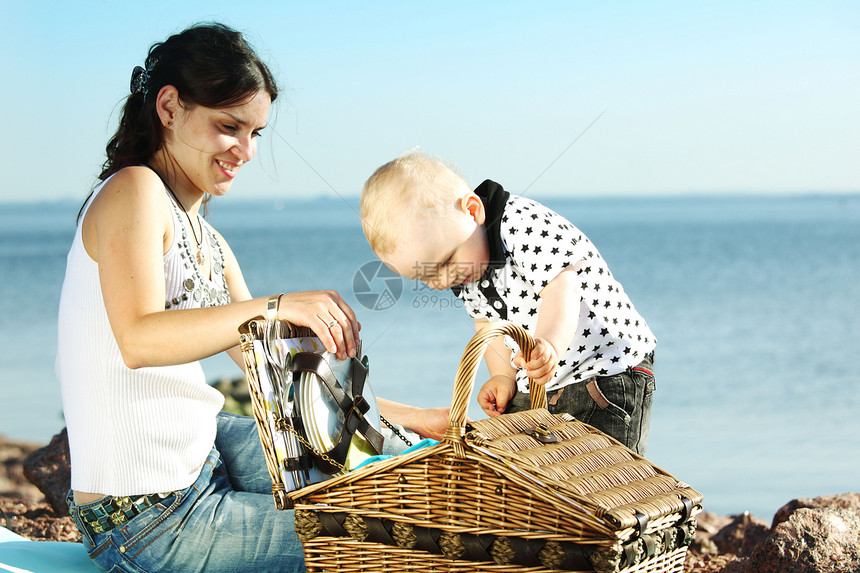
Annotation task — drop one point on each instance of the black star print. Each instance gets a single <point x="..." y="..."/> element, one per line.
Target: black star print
<point x="544" y="233"/>
<point x="515" y="309"/>
<point x="537" y="250"/>
<point x="528" y="230"/>
<point x="586" y="333"/>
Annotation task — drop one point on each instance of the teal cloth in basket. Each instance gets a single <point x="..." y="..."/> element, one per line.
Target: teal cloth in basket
<point x="20" y="555"/>
<point x="425" y="443"/>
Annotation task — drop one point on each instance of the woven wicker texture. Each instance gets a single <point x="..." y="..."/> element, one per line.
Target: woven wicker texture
<point x="530" y="491"/>
<point x="346" y="555"/>
<point x="255" y="329"/>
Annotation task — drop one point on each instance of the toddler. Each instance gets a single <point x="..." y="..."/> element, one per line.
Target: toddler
<point x="510" y="258"/>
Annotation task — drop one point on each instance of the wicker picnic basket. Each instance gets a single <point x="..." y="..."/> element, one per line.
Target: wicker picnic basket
<point x="530" y="491"/>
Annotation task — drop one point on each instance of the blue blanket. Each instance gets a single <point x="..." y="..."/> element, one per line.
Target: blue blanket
<point x="20" y="555"/>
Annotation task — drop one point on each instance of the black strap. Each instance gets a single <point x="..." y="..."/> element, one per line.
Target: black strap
<point x="350" y="402"/>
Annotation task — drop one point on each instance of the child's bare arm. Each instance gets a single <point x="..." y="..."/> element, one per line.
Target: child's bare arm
<point x="557" y="320"/>
<point x="496" y="392"/>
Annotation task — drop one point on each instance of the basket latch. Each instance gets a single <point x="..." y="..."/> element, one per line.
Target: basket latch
<point x="544" y="435"/>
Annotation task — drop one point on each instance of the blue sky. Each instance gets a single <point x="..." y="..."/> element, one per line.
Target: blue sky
<point x="688" y="97"/>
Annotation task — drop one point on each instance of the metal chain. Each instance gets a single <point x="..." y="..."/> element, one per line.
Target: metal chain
<point x="396" y="431"/>
<point x="307" y="445"/>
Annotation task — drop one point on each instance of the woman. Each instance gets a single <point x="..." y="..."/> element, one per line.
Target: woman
<point x="160" y="479"/>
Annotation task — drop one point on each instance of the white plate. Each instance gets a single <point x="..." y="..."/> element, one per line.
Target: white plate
<point x="323" y="419"/>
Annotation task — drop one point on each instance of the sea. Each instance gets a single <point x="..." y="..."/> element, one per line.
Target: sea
<point x="755" y="301"/>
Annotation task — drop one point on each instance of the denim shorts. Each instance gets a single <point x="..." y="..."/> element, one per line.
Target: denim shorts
<point x="225" y="521"/>
<point x="618" y="405"/>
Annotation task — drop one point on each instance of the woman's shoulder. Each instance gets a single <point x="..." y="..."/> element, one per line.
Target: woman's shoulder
<point x="136" y="185"/>
<point x="130" y="191"/>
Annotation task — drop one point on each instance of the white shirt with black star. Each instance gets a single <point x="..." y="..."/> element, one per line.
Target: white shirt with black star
<point x="538" y="244"/>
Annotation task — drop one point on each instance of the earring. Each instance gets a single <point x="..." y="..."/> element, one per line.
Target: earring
<point x="168" y="124"/>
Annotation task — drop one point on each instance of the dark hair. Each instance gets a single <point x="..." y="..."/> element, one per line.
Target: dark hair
<point x="210" y="65"/>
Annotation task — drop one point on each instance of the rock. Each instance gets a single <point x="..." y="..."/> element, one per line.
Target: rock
<point x="849" y="501"/>
<point x="730" y="539"/>
<point x="12" y="481"/>
<point x="237" y="395"/>
<point x="754" y="533"/>
<point x="707" y="524"/>
<point x="811" y="540"/>
<point x="49" y="470"/>
<point x="36" y="521"/>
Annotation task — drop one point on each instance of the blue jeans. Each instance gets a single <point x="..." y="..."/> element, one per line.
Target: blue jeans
<point x="225" y="521"/>
<point x="618" y="405"/>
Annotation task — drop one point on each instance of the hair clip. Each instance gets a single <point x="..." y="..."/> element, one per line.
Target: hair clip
<point x="139" y="81"/>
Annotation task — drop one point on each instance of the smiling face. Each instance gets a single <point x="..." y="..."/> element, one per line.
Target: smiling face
<point x="444" y="247"/>
<point x="206" y="147"/>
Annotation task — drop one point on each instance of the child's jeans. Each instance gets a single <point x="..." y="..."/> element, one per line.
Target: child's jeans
<point x="224" y="521"/>
<point x="618" y="405"/>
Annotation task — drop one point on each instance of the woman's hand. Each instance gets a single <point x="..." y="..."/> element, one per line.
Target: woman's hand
<point x="326" y="313"/>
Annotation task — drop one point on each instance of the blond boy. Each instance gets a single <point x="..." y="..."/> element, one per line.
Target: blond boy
<point x="510" y="258"/>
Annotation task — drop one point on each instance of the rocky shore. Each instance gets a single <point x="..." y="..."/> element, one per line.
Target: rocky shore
<point x="820" y="535"/>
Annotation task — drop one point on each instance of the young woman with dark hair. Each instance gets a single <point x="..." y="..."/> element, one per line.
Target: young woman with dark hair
<point x="161" y="480"/>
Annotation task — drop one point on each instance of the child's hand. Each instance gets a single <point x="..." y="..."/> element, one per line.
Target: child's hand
<point x="543" y="362"/>
<point x="495" y="394"/>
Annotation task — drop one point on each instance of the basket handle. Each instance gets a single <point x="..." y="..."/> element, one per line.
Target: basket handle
<point x="468" y="369"/>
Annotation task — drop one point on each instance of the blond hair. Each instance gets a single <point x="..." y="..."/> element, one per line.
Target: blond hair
<point x="411" y="185"/>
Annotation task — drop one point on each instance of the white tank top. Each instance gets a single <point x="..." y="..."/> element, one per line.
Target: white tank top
<point x="140" y="431"/>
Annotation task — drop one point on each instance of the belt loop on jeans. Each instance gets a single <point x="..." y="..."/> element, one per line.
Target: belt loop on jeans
<point x="596" y="394"/>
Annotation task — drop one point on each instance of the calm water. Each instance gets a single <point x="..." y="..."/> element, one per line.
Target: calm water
<point x="755" y="302"/>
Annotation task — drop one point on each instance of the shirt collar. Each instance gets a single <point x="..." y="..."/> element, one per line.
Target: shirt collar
<point x="494" y="198"/>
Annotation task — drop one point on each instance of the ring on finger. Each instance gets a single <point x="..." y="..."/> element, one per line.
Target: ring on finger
<point x="332" y="323"/>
